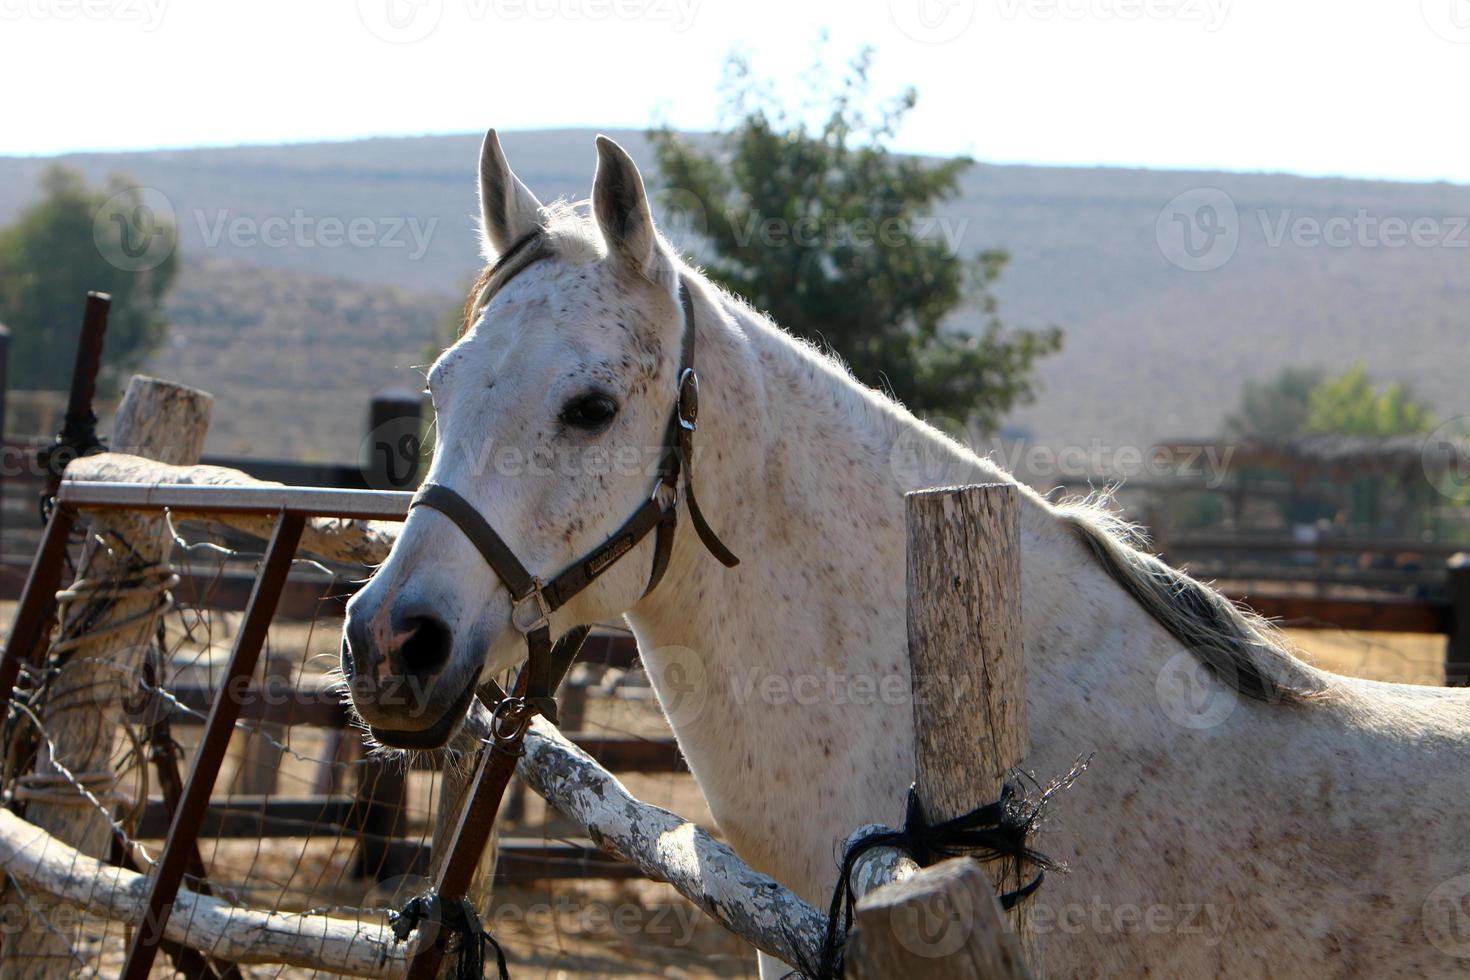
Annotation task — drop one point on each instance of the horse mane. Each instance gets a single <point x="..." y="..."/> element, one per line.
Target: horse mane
<point x="1243" y="650"/>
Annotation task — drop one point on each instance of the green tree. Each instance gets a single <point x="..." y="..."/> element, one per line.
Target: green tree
<point x="1349" y="404"/>
<point x="73" y="240"/>
<point x="809" y="216"/>
<point x="1275" y="408"/>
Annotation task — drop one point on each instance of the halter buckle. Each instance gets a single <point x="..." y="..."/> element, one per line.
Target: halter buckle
<point x="665" y="494"/>
<point x="688" y="407"/>
<point x="542" y="610"/>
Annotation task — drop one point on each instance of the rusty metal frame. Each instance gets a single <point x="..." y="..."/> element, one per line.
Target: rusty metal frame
<point x="292" y="507"/>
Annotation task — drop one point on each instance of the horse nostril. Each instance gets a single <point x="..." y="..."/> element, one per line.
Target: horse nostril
<point x="425" y="650"/>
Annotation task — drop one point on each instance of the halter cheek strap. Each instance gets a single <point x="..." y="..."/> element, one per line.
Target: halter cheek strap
<point x="533" y="600"/>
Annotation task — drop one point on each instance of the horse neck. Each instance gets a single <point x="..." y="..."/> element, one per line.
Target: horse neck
<point x="802" y="472"/>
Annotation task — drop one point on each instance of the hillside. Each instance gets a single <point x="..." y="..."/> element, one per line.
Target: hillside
<point x="293" y="335"/>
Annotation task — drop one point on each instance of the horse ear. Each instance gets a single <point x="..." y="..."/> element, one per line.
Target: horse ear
<point x="508" y="209"/>
<point x="621" y="205"/>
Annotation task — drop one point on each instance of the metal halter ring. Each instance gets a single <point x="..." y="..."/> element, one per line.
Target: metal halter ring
<point x="543" y="610"/>
<point x="510" y="718"/>
<point x="688" y="399"/>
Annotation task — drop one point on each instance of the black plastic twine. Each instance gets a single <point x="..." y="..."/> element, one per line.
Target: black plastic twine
<point x="994" y="831"/>
<point x="458" y="919"/>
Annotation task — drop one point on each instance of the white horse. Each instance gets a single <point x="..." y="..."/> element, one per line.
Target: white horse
<point x="1259" y="817"/>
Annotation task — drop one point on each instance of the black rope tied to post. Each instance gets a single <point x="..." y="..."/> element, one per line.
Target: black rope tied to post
<point x="459" y="923"/>
<point x="994" y="831"/>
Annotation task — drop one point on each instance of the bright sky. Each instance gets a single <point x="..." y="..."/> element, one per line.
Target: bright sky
<point x="1372" y="88"/>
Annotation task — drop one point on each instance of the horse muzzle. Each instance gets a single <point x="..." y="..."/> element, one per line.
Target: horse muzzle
<point x="403" y="681"/>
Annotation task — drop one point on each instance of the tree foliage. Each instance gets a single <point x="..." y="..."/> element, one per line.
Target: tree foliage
<point x="1305" y="401"/>
<point x="1349" y="404"/>
<point x="808" y="215"/>
<point x="65" y="245"/>
<point x="1275" y="408"/>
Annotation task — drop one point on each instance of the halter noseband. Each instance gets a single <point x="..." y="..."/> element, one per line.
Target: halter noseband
<point x="534" y="600"/>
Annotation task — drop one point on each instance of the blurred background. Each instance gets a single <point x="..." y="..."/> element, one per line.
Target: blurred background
<point x="1209" y="256"/>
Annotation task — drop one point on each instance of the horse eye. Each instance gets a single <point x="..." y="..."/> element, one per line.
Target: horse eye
<point x="589" y="412"/>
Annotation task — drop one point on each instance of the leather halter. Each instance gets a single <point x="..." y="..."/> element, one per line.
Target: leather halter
<point x="533" y="600"/>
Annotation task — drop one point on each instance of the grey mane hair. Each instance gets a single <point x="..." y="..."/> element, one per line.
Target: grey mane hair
<point x="566" y="233"/>
<point x="569" y="233"/>
<point x="1242" y="649"/>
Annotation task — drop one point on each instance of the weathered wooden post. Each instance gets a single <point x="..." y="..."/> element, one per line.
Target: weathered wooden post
<point x="393" y="448"/>
<point x="103" y="633"/>
<point x="968" y="674"/>
<point x="1457" y="647"/>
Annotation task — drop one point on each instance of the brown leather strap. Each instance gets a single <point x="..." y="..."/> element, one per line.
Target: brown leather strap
<point x="473" y="525"/>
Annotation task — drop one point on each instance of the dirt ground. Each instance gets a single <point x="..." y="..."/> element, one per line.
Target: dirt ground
<point x="560" y="928"/>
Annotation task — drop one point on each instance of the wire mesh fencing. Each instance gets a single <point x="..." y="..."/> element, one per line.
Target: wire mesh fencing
<point x="304" y="818"/>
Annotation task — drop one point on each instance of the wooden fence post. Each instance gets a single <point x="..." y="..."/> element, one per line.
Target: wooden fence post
<point x="393" y="449"/>
<point x="1457" y="647"/>
<point x="161" y="421"/>
<point x="968" y="674"/>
